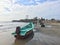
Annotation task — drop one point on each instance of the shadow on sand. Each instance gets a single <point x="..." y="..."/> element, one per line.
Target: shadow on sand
<point x="23" y="41"/>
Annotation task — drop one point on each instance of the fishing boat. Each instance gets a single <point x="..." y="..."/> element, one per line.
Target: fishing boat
<point x="24" y="31"/>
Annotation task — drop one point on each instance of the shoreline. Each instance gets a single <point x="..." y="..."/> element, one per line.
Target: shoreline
<point x="42" y="36"/>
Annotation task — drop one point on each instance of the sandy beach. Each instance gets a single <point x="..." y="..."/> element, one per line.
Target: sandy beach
<point x="49" y="35"/>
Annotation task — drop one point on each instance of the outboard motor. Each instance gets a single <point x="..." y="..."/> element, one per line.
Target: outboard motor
<point x="18" y="30"/>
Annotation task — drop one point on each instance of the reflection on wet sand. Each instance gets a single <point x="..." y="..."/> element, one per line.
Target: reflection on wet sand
<point x="23" y="41"/>
<point x="37" y="38"/>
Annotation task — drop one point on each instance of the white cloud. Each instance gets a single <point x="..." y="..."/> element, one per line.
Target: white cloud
<point x="47" y="9"/>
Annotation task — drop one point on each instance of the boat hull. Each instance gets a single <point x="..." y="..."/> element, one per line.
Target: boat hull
<point x="26" y="35"/>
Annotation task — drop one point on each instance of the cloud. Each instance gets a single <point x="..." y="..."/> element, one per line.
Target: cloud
<point x="17" y="9"/>
<point x="7" y="9"/>
<point x="31" y="2"/>
<point x="41" y="1"/>
<point x="26" y="2"/>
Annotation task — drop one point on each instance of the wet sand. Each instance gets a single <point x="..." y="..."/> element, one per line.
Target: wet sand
<point x="40" y="37"/>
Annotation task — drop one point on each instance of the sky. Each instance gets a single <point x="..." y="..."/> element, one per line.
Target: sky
<point x="18" y="9"/>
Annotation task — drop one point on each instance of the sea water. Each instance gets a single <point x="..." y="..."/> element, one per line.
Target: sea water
<point x="8" y="25"/>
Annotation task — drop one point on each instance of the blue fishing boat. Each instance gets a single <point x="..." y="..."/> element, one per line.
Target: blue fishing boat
<point x="24" y="31"/>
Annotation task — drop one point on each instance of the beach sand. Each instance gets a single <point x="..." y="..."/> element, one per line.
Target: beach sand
<point x="52" y="29"/>
<point x="6" y="38"/>
<point x="42" y="36"/>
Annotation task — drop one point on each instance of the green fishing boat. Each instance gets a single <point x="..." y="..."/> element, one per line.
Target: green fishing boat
<point x="24" y="31"/>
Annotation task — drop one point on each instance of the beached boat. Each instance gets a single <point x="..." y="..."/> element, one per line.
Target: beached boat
<point x="25" y="31"/>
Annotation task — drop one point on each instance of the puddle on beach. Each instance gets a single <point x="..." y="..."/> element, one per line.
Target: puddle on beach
<point x="48" y="26"/>
<point x="8" y="39"/>
<point x="38" y="38"/>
